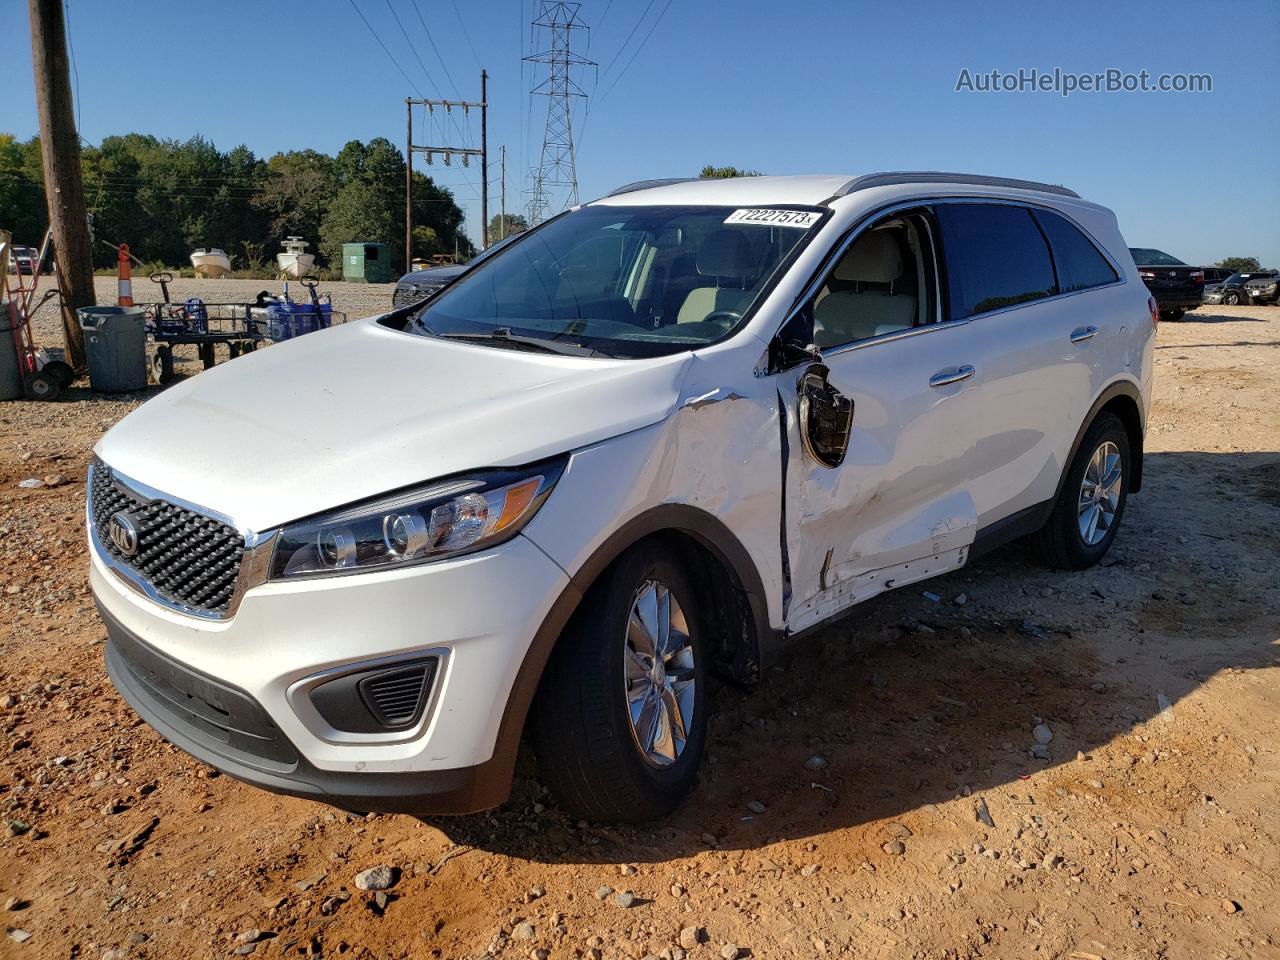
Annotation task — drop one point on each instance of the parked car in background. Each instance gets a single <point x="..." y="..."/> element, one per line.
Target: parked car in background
<point x="1262" y="288"/>
<point x="421" y="284"/>
<point x="1232" y="292"/>
<point x="1177" y="286"/>
<point x="658" y="438"/>
<point x="25" y="260"/>
<point x="1215" y="274"/>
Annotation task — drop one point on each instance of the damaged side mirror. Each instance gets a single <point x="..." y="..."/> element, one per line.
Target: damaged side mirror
<point x="826" y="416"/>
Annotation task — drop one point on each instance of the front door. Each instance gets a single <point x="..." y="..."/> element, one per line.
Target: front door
<point x="898" y="507"/>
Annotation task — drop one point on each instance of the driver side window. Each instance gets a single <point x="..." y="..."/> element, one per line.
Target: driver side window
<point x="884" y="282"/>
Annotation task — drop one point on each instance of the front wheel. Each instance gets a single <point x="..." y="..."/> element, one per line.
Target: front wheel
<point x="621" y="716"/>
<point x="1231" y="299"/>
<point x="1087" y="513"/>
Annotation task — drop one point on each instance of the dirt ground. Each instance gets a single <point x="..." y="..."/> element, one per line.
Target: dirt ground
<point x="928" y="829"/>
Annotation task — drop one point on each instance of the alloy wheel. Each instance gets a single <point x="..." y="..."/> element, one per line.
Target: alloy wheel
<point x="659" y="674"/>
<point x="1100" y="494"/>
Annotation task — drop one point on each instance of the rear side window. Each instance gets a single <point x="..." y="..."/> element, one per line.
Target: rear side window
<point x="996" y="257"/>
<point x="1080" y="264"/>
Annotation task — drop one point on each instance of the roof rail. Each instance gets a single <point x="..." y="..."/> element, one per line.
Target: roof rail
<point x="647" y="184"/>
<point x="935" y="176"/>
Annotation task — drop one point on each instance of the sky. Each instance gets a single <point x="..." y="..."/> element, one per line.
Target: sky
<point x="799" y="87"/>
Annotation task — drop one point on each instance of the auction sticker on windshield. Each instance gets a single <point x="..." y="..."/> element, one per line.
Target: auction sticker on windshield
<point x="775" y="218"/>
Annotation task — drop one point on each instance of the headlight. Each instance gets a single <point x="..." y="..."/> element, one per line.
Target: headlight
<point x="418" y="525"/>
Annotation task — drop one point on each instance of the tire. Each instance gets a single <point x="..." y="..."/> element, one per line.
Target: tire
<point x="62" y="371"/>
<point x="162" y="365"/>
<point x="589" y="753"/>
<point x="1231" y="299"/>
<point x="1062" y="542"/>
<point x="1173" y="315"/>
<point x="42" y="386"/>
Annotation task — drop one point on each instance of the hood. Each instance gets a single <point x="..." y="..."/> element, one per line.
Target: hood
<point x="432" y="275"/>
<point x="361" y="409"/>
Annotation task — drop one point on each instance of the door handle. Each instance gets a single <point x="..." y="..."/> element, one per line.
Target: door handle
<point x="954" y="375"/>
<point x="1081" y="334"/>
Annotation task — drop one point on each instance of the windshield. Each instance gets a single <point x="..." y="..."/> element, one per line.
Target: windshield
<point x="1145" y="257"/>
<point x="621" y="281"/>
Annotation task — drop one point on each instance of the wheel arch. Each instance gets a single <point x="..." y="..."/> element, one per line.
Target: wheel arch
<point x="1123" y="399"/>
<point x="719" y="564"/>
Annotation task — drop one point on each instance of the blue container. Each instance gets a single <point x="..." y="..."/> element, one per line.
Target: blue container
<point x="193" y="319"/>
<point x="286" y="320"/>
<point x="197" y="316"/>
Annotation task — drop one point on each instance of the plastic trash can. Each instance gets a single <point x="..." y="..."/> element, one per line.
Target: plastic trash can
<point x="115" y="344"/>
<point x="10" y="368"/>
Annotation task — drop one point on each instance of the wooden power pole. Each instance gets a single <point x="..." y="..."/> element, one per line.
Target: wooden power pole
<point x="448" y="153"/>
<point x="60" y="149"/>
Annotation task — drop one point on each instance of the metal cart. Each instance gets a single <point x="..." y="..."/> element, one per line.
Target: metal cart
<point x="241" y="326"/>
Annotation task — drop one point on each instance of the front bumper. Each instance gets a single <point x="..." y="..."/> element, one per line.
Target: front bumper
<point x="235" y="693"/>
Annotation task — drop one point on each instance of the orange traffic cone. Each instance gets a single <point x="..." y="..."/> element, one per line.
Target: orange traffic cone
<point x="124" y="277"/>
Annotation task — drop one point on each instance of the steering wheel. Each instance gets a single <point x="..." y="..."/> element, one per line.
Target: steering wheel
<point x="162" y="277"/>
<point x="725" y="318"/>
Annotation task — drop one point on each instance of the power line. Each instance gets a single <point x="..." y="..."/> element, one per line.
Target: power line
<point x="467" y="36"/>
<point x="412" y="49"/>
<point x="71" y="48"/>
<point x="587" y="116"/>
<point x="600" y="22"/>
<point x="384" y="47"/>
<point x="637" y="52"/>
<point x="617" y="56"/>
<point x="430" y="39"/>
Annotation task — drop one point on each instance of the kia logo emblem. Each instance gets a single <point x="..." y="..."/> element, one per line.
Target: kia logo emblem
<point x="123" y="532"/>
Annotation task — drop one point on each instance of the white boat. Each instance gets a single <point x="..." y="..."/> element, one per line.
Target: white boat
<point x="295" y="263"/>
<point x="211" y="263"/>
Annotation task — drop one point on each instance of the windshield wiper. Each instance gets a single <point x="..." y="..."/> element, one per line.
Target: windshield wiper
<point x="504" y="335"/>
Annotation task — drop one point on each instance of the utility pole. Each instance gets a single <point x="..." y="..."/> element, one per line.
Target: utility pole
<point x="557" y="166"/>
<point x="63" y="187"/>
<point x="502" y="222"/>
<point x="448" y="152"/>
<point x="408" y="185"/>
<point x="484" y="159"/>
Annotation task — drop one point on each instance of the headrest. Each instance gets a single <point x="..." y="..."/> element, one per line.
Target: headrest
<point x="724" y="254"/>
<point x="873" y="258"/>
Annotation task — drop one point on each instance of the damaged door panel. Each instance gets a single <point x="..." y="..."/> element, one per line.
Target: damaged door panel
<point x="898" y="508"/>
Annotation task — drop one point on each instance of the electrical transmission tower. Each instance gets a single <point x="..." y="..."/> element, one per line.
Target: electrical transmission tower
<point x="557" y="168"/>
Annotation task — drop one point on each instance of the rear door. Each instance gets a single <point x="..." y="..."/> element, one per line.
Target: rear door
<point x="1044" y="333"/>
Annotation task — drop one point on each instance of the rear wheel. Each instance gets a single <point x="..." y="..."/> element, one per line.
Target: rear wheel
<point x="1172" y="315"/>
<point x="1087" y="514"/>
<point x="621" y="715"/>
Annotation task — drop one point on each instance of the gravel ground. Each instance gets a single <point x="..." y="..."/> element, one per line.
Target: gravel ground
<point x="886" y="792"/>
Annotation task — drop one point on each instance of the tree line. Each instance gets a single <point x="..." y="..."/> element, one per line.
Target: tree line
<point x="165" y="198"/>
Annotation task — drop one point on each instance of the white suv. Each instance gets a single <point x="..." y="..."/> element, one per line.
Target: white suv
<point x="647" y="443"/>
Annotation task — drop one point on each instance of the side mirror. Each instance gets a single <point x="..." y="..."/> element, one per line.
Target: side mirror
<point x="826" y="417"/>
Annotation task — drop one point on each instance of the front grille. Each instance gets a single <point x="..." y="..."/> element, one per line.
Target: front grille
<point x="412" y="293"/>
<point x="190" y="560"/>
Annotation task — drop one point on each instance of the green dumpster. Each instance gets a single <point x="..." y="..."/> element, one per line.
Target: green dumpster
<point x="115" y="344"/>
<point x="367" y="263"/>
